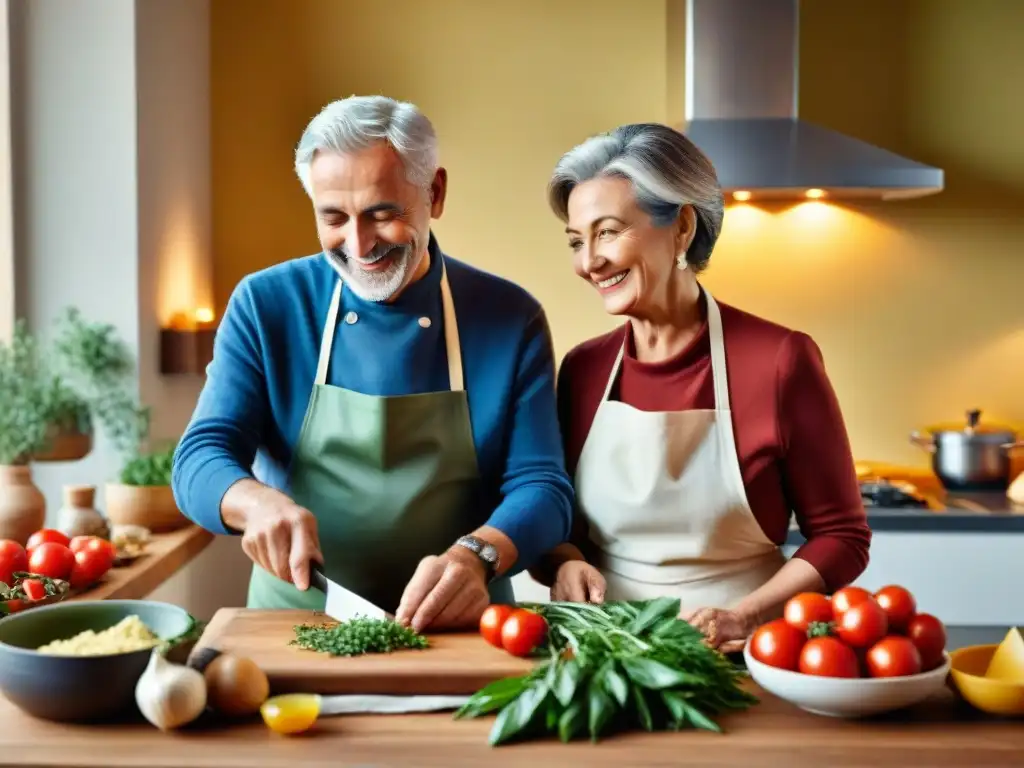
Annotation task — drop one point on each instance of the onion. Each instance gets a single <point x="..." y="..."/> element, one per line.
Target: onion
<point x="235" y="685"/>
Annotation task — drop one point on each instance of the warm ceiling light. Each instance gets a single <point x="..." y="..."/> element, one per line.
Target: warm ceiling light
<point x="741" y="196"/>
<point x="815" y="194"/>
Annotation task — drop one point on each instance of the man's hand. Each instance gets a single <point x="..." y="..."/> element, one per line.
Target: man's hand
<point x="577" y="581"/>
<point x="277" y="534"/>
<point x="446" y="592"/>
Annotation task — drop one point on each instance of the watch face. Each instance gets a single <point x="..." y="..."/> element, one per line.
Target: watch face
<point x="486" y="552"/>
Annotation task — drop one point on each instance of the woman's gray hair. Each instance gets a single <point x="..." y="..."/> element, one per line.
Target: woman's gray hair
<point x="667" y="172"/>
<point x="355" y="123"/>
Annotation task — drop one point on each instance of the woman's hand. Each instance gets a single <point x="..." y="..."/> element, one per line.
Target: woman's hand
<point x="577" y="581"/>
<point x="727" y="631"/>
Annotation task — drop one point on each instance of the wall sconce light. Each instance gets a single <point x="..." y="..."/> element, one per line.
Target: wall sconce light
<point x="187" y="345"/>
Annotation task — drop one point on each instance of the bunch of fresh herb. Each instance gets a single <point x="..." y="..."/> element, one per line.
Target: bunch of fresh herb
<point x="358" y="636"/>
<point x="620" y="665"/>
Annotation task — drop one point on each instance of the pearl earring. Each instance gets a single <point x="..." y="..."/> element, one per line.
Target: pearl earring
<point x="681" y="261"/>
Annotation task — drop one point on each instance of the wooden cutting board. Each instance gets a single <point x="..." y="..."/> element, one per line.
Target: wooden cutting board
<point x="454" y="664"/>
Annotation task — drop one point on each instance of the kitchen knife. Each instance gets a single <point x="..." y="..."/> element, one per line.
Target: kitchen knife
<point x="343" y="604"/>
<point x="352" y="704"/>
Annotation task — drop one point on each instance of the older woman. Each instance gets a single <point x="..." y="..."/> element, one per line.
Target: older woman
<point x="694" y="430"/>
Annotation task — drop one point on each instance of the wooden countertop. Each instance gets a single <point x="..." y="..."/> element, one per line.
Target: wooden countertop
<point x="936" y="733"/>
<point x="166" y="553"/>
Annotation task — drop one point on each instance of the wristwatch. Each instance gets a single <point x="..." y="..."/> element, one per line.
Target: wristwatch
<point x="486" y="552"/>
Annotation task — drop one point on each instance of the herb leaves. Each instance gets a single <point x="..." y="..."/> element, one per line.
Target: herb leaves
<point x="616" y="666"/>
<point x="358" y="636"/>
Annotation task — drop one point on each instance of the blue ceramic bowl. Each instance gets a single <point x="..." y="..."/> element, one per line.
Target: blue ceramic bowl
<point x="78" y="688"/>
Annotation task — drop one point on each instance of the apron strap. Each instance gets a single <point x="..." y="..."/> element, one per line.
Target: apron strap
<point x="451" y="335"/>
<point x="615" y="369"/>
<point x="716" y="339"/>
<point x="327" y="340"/>
<point x="719" y="374"/>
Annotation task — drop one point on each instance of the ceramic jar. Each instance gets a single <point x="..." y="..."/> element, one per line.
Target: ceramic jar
<point x="78" y="516"/>
<point x="22" y="504"/>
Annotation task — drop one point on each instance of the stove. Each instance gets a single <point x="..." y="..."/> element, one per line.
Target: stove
<point x="891" y="495"/>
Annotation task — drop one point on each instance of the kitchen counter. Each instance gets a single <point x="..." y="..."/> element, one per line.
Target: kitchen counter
<point x="165" y="555"/>
<point x="940" y="732"/>
<point x="986" y="512"/>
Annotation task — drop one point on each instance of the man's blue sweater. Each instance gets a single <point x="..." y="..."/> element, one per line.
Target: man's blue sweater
<point x="248" y="417"/>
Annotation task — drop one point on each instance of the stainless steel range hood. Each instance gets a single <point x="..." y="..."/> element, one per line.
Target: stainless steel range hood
<point x="742" y="60"/>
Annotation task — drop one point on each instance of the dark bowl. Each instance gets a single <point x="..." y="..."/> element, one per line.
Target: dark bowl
<point x="78" y="688"/>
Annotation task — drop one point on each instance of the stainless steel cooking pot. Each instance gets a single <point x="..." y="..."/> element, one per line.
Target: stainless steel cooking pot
<point x="970" y="456"/>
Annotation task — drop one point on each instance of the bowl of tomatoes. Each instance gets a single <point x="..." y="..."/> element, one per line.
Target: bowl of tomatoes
<point x="850" y="654"/>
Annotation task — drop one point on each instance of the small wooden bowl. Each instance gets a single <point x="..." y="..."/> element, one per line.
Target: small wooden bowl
<point x="149" y="506"/>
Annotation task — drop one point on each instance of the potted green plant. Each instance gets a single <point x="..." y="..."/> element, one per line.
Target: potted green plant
<point x="102" y="367"/>
<point x="29" y="398"/>
<point x="142" y="495"/>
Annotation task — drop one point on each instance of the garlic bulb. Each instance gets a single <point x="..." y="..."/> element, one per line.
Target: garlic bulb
<point x="170" y="695"/>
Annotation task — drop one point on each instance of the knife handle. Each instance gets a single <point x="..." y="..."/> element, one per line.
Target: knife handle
<point x="316" y="576"/>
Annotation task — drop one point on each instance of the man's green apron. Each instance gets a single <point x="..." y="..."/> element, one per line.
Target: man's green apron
<point x="390" y="480"/>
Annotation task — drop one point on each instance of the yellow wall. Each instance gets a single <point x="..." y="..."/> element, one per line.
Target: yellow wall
<point x="918" y="307"/>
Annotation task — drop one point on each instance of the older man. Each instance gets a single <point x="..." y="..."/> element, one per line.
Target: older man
<point x="379" y="407"/>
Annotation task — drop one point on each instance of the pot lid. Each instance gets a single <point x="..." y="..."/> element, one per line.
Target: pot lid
<point x="972" y="424"/>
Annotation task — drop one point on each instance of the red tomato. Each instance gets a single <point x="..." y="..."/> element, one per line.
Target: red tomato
<point x="12" y="558"/>
<point x="522" y="632"/>
<point x="492" y="621"/>
<point x="893" y="656"/>
<point x="44" y="535"/>
<point x="89" y="567"/>
<point x="34" y="589"/>
<point x="828" y="657"/>
<point x="807" y="608"/>
<point x="51" y="559"/>
<point x="80" y="543"/>
<point x="778" y="644"/>
<point x="863" y="625"/>
<point x="847" y="597"/>
<point x="928" y="635"/>
<point x="899" y="605"/>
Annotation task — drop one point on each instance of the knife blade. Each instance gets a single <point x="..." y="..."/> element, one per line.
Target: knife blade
<point x="350" y="704"/>
<point x="343" y="604"/>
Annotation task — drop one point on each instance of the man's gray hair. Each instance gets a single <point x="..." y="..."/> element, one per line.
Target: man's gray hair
<point x="355" y="123"/>
<point x="667" y="172"/>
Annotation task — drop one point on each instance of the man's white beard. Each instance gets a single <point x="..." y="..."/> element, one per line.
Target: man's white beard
<point x="374" y="286"/>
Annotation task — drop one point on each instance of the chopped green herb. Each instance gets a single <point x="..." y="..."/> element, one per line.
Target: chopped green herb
<point x="358" y="636"/>
<point x="617" y="666"/>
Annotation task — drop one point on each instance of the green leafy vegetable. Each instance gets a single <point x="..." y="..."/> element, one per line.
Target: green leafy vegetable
<point x="358" y="636"/>
<point x="612" y="667"/>
<point x="148" y="469"/>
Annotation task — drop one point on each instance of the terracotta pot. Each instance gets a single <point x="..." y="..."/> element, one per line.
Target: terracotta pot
<point x="22" y="504"/>
<point x="149" y="506"/>
<point x="65" y="446"/>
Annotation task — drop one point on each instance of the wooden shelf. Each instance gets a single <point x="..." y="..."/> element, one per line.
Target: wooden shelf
<point x="165" y="555"/>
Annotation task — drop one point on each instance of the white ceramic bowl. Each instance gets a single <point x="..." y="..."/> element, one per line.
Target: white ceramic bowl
<point x="846" y="697"/>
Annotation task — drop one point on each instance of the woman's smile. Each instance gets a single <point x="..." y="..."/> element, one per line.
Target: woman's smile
<point x="609" y="284"/>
